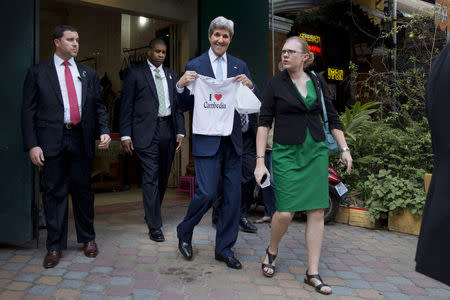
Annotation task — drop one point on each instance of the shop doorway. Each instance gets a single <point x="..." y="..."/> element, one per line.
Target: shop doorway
<point x="111" y="41"/>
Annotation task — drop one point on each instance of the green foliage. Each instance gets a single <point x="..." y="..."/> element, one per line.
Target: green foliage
<point x="352" y="118"/>
<point x="401" y="93"/>
<point x="385" y="193"/>
<point x="393" y="152"/>
<point x="399" y="78"/>
<point x="405" y="153"/>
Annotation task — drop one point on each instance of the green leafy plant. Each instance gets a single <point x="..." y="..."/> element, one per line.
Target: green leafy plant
<point x="353" y="117"/>
<point x="380" y="146"/>
<point x="391" y="148"/>
<point x="384" y="193"/>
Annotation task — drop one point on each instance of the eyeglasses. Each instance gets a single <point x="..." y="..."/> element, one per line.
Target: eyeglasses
<point x="290" y="52"/>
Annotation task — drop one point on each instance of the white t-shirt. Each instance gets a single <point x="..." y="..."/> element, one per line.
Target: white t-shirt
<point x="214" y="104"/>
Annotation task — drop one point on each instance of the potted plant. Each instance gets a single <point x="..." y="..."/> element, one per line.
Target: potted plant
<point x="395" y="198"/>
<point x="404" y="220"/>
<point x="354" y="212"/>
<point x="342" y="215"/>
<point x="352" y="118"/>
<point x="358" y="213"/>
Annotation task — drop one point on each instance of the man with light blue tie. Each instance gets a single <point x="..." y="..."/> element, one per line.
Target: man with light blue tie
<point x="218" y="159"/>
<point x="152" y="126"/>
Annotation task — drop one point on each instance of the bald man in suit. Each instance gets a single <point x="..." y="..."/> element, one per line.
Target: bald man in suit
<point x="152" y="126"/>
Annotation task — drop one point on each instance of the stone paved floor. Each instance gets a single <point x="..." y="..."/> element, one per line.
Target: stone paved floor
<point x="358" y="263"/>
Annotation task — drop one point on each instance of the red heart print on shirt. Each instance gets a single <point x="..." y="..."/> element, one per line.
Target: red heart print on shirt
<point x="218" y="96"/>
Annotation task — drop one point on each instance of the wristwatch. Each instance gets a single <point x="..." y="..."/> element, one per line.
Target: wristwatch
<point x="345" y="149"/>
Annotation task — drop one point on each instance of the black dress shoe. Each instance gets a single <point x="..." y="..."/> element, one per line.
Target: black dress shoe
<point x="247" y="226"/>
<point x="230" y="261"/>
<point x="156" y="235"/>
<point x="185" y="249"/>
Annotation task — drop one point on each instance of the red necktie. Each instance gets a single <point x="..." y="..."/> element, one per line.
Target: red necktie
<point x="73" y="102"/>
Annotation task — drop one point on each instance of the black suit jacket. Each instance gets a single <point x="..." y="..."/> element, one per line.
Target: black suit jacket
<point x="282" y="101"/>
<point x="249" y="137"/>
<point x="249" y="149"/>
<point x="43" y="109"/>
<point x="139" y="105"/>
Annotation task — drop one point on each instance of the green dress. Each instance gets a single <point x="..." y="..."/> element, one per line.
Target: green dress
<point x="300" y="171"/>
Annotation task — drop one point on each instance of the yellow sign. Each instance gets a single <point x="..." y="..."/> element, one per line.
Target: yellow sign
<point x="441" y="14"/>
<point x="310" y="38"/>
<point x="335" y="74"/>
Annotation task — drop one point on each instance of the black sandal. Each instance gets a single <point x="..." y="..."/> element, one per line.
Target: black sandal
<point x="318" y="287"/>
<point x="271" y="258"/>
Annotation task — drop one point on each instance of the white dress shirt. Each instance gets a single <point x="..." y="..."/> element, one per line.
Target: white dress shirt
<point x="214" y="62"/>
<point x="166" y="92"/>
<point x="60" y="68"/>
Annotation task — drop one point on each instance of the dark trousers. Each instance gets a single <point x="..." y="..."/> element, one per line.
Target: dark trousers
<point x="226" y="164"/>
<point x="69" y="171"/>
<point x="248" y="168"/>
<point x="246" y="197"/>
<point x="268" y="193"/>
<point x="248" y="182"/>
<point x="156" y="161"/>
<point x="246" y="200"/>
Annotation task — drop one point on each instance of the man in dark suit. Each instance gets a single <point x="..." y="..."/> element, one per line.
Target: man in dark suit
<point x="152" y="125"/>
<point x="249" y="124"/>
<point x="62" y="112"/>
<point x="216" y="156"/>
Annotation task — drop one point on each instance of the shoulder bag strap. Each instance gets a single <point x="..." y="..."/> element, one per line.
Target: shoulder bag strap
<point x="325" y="117"/>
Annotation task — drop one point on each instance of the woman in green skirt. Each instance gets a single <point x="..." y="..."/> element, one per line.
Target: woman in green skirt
<point x="300" y="155"/>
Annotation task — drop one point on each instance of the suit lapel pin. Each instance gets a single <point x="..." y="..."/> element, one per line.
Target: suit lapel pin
<point x="170" y="77"/>
<point x="83" y="74"/>
<point x="235" y="67"/>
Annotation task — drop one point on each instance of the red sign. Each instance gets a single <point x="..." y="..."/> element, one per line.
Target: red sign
<point x="315" y="49"/>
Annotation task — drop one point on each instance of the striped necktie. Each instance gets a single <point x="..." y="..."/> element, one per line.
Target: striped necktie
<point x="244" y="122"/>
<point x="160" y="90"/>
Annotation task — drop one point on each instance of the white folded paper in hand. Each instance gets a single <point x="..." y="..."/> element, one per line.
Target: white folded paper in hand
<point x="265" y="183"/>
<point x="246" y="101"/>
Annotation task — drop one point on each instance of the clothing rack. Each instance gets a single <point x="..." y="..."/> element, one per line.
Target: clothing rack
<point x="86" y="59"/>
<point x="132" y="59"/>
<point x="126" y="50"/>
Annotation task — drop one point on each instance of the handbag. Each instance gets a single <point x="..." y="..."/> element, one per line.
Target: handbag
<point x="331" y="143"/>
